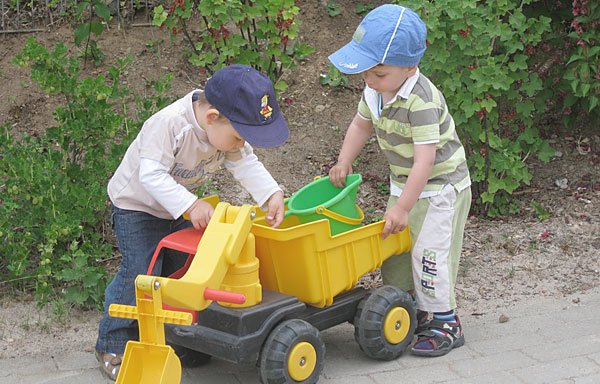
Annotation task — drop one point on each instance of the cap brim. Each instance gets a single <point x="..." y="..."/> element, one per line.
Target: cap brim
<point x="269" y="135"/>
<point x="351" y="59"/>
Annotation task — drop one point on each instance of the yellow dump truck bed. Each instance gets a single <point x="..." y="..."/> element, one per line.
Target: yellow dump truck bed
<point x="305" y="261"/>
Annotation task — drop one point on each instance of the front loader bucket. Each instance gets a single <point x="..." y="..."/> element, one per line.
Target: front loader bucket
<point x="149" y="364"/>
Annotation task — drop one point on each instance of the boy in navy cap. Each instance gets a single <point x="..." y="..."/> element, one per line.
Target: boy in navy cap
<point x="429" y="182"/>
<point x="174" y="153"/>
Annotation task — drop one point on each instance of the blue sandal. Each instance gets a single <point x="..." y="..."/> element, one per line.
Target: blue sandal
<point x="439" y="338"/>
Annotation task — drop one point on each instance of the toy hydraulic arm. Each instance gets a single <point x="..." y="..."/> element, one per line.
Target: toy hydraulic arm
<point x="225" y="254"/>
<point x="226" y="242"/>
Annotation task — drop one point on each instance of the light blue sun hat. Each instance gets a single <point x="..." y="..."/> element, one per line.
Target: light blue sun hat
<point x="390" y="34"/>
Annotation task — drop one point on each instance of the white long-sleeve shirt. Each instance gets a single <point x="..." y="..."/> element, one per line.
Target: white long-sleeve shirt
<point x="171" y="157"/>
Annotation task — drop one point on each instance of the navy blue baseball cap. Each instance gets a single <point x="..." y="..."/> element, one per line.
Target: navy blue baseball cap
<point x="247" y="98"/>
<point x="389" y="34"/>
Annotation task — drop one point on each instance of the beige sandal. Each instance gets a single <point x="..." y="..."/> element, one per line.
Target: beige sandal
<point x="110" y="363"/>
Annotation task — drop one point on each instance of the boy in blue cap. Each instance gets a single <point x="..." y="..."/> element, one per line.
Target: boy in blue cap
<point x="429" y="182"/>
<point x="174" y="153"/>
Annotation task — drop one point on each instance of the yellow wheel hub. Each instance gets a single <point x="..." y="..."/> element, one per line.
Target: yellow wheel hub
<point x="302" y="361"/>
<point x="396" y="325"/>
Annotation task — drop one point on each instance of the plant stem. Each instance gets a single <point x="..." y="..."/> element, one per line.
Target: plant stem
<point x="188" y="37"/>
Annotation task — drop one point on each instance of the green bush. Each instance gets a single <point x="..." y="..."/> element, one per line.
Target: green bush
<point x="509" y="70"/>
<point x="477" y="56"/>
<point x="571" y="70"/>
<point x="262" y="33"/>
<point x="54" y="210"/>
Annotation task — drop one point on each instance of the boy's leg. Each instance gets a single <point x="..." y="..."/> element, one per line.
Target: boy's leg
<point x="436" y="254"/>
<point x="138" y="234"/>
<point x="397" y="270"/>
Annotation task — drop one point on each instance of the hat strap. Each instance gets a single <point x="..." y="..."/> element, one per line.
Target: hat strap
<point x="393" y="35"/>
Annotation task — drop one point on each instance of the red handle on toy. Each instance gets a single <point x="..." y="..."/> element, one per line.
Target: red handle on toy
<point x="224" y="296"/>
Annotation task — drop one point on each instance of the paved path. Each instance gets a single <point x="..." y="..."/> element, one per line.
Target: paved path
<point x="544" y="341"/>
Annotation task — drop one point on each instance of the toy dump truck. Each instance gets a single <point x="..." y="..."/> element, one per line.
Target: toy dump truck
<point x="250" y="293"/>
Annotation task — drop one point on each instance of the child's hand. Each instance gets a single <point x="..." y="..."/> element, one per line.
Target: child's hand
<point x="396" y="219"/>
<point x="200" y="213"/>
<point x="337" y="174"/>
<point x="276" y="209"/>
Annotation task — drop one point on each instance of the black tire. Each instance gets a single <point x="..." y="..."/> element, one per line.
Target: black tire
<point x="293" y="353"/>
<point x="190" y="358"/>
<point x="385" y="322"/>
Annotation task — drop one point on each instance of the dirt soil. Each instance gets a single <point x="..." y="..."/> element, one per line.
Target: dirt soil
<point x="504" y="261"/>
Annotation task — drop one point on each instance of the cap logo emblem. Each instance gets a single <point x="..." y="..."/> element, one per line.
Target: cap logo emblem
<point x="359" y="34"/>
<point x="265" y="109"/>
<point x="349" y="65"/>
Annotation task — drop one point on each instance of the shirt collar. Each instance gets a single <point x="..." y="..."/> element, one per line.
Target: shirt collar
<point x="372" y="100"/>
<point x="407" y="87"/>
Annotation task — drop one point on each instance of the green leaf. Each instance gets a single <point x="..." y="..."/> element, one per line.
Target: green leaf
<point x="96" y="27"/>
<point x="333" y="8"/>
<point x="545" y="152"/>
<point x="76" y="295"/>
<point x="159" y="16"/>
<point x="530" y="136"/>
<point x="488" y="104"/>
<point x="519" y="62"/>
<point x="81" y="7"/>
<point x="92" y="279"/>
<point x="280" y="86"/>
<point x="495" y="185"/>
<point x="487" y="197"/>
<point x="525" y="108"/>
<point x="102" y="11"/>
<point x="574" y="58"/>
<point x="593" y="103"/>
<point x="534" y="85"/>
<point x="81" y="33"/>
<point x="574" y="84"/>
<point x="585" y="88"/>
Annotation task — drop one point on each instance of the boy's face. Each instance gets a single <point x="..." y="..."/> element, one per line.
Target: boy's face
<point x="385" y="78"/>
<point x="223" y="136"/>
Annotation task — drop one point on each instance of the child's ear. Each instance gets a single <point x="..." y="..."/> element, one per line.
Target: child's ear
<point x="211" y="115"/>
<point x="412" y="70"/>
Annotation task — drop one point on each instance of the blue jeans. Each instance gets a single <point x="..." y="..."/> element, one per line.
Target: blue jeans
<point x="138" y="234"/>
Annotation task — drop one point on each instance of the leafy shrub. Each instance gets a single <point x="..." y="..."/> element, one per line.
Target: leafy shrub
<point x="478" y="56"/>
<point x="94" y="13"/>
<point x="53" y="210"/>
<point x="571" y="69"/>
<point x="259" y="33"/>
<point x="333" y="77"/>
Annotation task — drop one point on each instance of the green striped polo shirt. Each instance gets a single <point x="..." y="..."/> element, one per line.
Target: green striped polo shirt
<point x="421" y="118"/>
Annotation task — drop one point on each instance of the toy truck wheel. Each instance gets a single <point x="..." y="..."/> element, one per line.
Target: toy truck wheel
<point x="293" y="353"/>
<point x="190" y="358"/>
<point x="384" y="323"/>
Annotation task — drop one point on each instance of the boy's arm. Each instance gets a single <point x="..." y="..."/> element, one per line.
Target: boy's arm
<point x="357" y="135"/>
<point x="157" y="181"/>
<point x="255" y="178"/>
<point x="396" y="218"/>
<point x="174" y="197"/>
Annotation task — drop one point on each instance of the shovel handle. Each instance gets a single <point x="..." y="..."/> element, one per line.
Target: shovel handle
<point x="224" y="296"/>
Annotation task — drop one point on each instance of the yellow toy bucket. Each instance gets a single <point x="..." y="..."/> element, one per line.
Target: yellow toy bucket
<point x="149" y="364"/>
<point x="322" y="200"/>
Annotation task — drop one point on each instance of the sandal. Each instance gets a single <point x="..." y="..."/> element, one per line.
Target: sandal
<point x="110" y="363"/>
<point x="439" y="338"/>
